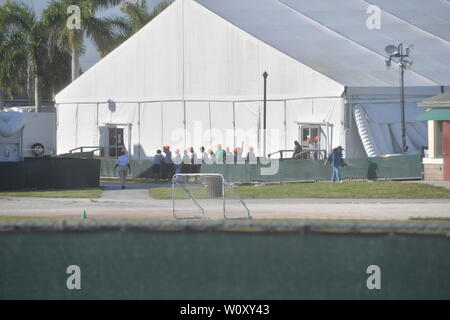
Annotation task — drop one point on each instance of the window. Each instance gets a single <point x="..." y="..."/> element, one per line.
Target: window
<point x="308" y="136"/>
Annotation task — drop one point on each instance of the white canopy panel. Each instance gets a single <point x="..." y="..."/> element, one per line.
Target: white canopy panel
<point x="381" y="135"/>
<point x="305" y="30"/>
<point x="431" y="16"/>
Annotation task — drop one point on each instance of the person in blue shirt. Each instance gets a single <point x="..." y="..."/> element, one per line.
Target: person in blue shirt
<point x="123" y="162"/>
<point x="336" y="160"/>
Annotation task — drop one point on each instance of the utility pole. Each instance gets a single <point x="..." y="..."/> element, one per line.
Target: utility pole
<point x="404" y="62"/>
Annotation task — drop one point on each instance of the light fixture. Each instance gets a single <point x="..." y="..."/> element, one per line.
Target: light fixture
<point x="401" y="57"/>
<point x="407" y="62"/>
<point x="391" y="50"/>
<point x="408" y="50"/>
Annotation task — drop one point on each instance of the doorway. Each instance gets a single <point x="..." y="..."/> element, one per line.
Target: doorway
<point x="113" y="138"/>
<point x="116" y="141"/>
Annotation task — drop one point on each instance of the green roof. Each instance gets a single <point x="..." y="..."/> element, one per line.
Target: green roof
<point x="435" y="114"/>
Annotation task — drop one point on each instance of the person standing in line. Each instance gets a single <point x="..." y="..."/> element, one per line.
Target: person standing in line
<point x="192" y="160"/>
<point x="211" y="157"/>
<point x="177" y="161"/>
<point x="156" y="170"/>
<point x="229" y="156"/>
<point x="251" y="157"/>
<point x="238" y="158"/>
<point x="235" y="154"/>
<point x="297" y="149"/>
<point x="203" y="156"/>
<point x="168" y="164"/>
<point x="316" y="147"/>
<point x="336" y="160"/>
<point x="123" y="162"/>
<point x="220" y="154"/>
<point x="186" y="166"/>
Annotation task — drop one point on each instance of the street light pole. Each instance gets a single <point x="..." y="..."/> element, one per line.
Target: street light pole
<point x="404" y="62"/>
<point x="402" y="112"/>
<point x="265" y="75"/>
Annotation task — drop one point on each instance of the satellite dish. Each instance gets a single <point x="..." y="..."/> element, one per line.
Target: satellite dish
<point x="391" y="49"/>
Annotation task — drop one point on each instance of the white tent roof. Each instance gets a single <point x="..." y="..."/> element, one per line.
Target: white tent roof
<point x="231" y="42"/>
<point x="332" y="36"/>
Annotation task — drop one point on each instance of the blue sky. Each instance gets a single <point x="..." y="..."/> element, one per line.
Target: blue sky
<point x="91" y="56"/>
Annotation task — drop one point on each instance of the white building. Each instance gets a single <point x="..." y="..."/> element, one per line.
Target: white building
<point x="193" y="77"/>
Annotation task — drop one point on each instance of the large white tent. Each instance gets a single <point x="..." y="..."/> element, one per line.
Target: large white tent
<point x="193" y="77"/>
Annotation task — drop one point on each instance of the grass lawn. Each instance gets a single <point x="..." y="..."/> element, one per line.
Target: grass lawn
<point x="346" y="190"/>
<point x="92" y="193"/>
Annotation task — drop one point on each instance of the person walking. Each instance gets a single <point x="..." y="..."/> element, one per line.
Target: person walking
<point x="123" y="162"/>
<point x="336" y="160"/>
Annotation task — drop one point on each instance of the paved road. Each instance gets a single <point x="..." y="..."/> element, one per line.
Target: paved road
<point x="133" y="203"/>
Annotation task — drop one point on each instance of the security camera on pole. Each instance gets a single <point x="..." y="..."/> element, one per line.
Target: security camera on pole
<point x="401" y="57"/>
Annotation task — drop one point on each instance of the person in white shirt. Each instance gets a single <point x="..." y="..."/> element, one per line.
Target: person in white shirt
<point x="211" y="157"/>
<point x="203" y="155"/>
<point x="123" y="162"/>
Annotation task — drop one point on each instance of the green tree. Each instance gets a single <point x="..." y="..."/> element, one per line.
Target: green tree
<point x="23" y="50"/>
<point x="138" y="15"/>
<point x="102" y="31"/>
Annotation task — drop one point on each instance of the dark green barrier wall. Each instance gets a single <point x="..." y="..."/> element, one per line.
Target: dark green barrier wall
<point x="49" y="173"/>
<point x="205" y="265"/>
<point x="295" y="170"/>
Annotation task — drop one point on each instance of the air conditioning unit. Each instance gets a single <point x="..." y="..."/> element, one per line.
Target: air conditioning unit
<point x="11" y="129"/>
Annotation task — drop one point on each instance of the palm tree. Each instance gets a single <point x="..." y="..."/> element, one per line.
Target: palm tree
<point x="23" y="49"/>
<point x="102" y="31"/>
<point x="138" y="15"/>
<point x="57" y="72"/>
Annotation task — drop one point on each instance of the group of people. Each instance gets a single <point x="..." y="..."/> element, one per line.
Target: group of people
<point x="167" y="165"/>
<point x="313" y="144"/>
<point x="190" y="162"/>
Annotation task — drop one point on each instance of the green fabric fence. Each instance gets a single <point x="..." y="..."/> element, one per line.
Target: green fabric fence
<point x="395" y="167"/>
<point x="220" y="265"/>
